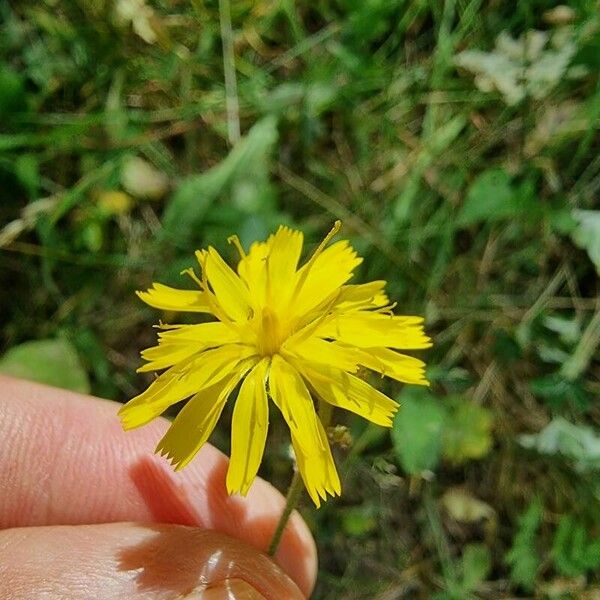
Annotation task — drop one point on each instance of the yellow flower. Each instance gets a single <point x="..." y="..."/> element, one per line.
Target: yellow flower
<point x="286" y="333"/>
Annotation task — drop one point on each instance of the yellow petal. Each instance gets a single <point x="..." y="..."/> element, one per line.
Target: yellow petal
<point x="349" y="392"/>
<point x="400" y="367"/>
<point x="320" y="351"/>
<point x="318" y="469"/>
<point x="309" y="439"/>
<point x="368" y="330"/>
<point x="196" y="421"/>
<point x="248" y="430"/>
<point x="319" y="278"/>
<point x="284" y="254"/>
<point x="269" y="269"/>
<point x="181" y="342"/>
<point x="168" y="298"/>
<point x="361" y="296"/>
<point x="166" y="355"/>
<point x="295" y="403"/>
<point x="181" y="381"/>
<point x="229" y="289"/>
<point x="210" y="334"/>
<point x="253" y="271"/>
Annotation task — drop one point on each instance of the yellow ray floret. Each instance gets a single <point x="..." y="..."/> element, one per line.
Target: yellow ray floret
<point x="197" y="419"/>
<point x="249" y="430"/>
<point x="168" y="298"/>
<point x="281" y="330"/>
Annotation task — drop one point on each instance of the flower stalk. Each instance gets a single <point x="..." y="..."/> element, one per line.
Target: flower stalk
<point x="294" y="492"/>
<point x="291" y="501"/>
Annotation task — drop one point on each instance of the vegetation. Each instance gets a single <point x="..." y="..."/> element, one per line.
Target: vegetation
<point x="456" y="140"/>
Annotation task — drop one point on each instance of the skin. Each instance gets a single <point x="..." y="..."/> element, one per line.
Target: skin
<point x="87" y="510"/>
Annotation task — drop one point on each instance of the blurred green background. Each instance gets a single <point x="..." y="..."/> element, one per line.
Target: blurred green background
<point x="458" y="143"/>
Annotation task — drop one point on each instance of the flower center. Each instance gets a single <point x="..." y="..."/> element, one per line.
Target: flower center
<point x="270" y="333"/>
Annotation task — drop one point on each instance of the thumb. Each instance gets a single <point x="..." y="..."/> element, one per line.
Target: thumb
<point x="132" y="561"/>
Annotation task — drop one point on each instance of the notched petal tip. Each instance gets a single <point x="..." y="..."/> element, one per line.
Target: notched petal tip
<point x="332" y="489"/>
<point x="236" y="490"/>
<point x="165" y="452"/>
<point x="145" y="296"/>
<point x="128" y="420"/>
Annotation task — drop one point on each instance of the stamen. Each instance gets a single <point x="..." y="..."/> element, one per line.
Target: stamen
<point x="162" y="325"/>
<point x="210" y="298"/>
<point x="235" y="240"/>
<point x="306" y="268"/>
<point x="201" y="257"/>
<point x="385" y="310"/>
<point x="334" y="230"/>
<point x="191" y="273"/>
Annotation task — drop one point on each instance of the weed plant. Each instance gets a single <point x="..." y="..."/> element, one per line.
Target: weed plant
<point x="456" y="140"/>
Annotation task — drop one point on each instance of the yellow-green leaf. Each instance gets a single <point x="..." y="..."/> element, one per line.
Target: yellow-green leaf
<point x="468" y="431"/>
<point x="53" y="362"/>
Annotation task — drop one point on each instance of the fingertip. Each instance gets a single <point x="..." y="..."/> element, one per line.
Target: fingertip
<point x="128" y="560"/>
<point x="84" y="468"/>
<point x="253" y="517"/>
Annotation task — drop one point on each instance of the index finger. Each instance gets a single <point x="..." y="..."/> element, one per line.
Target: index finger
<point x="65" y="460"/>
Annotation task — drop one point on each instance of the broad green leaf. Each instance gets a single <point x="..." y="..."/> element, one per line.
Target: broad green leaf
<point x="560" y="220"/>
<point x="468" y="431"/>
<point x="359" y="520"/>
<point x="555" y="390"/>
<point x="417" y="429"/>
<point x="53" y="362"/>
<point x="506" y="348"/>
<point x="491" y="197"/>
<point x="587" y="234"/>
<point x="196" y="194"/>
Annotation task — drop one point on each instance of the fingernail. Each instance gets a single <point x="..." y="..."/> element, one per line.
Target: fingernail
<point x="229" y="589"/>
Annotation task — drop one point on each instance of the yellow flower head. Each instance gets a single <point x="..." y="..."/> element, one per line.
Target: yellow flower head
<point x="285" y="332"/>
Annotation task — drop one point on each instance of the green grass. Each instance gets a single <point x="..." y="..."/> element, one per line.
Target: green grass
<point x="464" y="202"/>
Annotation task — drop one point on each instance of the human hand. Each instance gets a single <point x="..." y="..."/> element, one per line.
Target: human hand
<point x="87" y="511"/>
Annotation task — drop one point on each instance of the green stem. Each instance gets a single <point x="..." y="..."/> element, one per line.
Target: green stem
<point x="291" y="500"/>
<point x="296" y="487"/>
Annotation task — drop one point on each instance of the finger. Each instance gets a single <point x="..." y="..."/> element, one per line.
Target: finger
<point x="66" y="460"/>
<point x="130" y="561"/>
